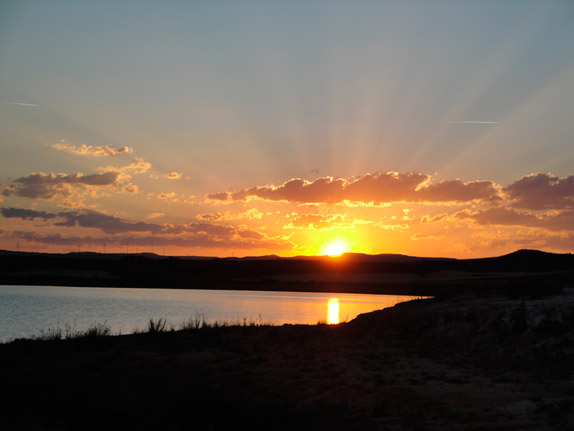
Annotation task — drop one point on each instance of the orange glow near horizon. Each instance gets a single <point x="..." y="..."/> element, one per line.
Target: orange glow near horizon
<point x="333" y="311"/>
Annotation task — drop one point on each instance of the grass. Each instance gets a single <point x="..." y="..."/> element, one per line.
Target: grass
<point x="153" y="327"/>
<point x="68" y="333"/>
<point x="197" y="322"/>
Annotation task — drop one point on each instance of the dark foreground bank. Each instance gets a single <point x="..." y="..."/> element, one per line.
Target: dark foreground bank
<point x="481" y="363"/>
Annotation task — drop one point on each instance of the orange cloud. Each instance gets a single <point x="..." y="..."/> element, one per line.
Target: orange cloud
<point x="137" y="166"/>
<point x="130" y="188"/>
<point x="423" y="236"/>
<point x="250" y="214"/>
<point x="173" y="176"/>
<point x="379" y="188"/>
<point x="89" y="150"/>
<point x="316" y="221"/>
<point x="162" y="196"/>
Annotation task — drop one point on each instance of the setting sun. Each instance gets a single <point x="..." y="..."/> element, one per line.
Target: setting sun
<point x="335" y="247"/>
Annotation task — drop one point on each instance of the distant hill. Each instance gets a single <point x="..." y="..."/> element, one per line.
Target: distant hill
<point x="350" y="272"/>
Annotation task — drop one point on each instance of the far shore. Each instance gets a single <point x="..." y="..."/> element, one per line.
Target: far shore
<point x="523" y="271"/>
<point x="431" y="285"/>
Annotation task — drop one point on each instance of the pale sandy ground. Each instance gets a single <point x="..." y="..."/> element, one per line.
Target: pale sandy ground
<point x="465" y="364"/>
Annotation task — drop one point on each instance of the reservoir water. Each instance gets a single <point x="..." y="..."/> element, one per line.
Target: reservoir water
<point x="27" y="311"/>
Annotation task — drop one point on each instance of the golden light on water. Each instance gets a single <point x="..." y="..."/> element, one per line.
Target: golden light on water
<point x="333" y="311"/>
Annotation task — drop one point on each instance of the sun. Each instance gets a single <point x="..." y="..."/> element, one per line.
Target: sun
<point x="335" y="247"/>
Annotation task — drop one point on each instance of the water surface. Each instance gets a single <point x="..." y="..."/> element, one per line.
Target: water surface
<point x="26" y="311"/>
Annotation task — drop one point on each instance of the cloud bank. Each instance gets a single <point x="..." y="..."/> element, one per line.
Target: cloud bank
<point x="379" y="188"/>
<point x="453" y="216"/>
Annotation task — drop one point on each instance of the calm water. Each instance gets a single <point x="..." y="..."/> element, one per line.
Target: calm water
<point x="25" y="311"/>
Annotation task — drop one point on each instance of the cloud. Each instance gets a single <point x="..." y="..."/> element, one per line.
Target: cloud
<point x="316" y="221"/>
<point x="219" y="196"/>
<point x="154" y="215"/>
<point x="173" y="176"/>
<point x="120" y="231"/>
<point x="89" y="150"/>
<point x="113" y="225"/>
<point x="130" y="188"/>
<point x="379" y="188"/>
<point x="137" y="166"/>
<point x="552" y="220"/>
<point x="541" y="240"/>
<point x="210" y="216"/>
<point x="244" y="240"/>
<point x="424" y="236"/>
<point x="48" y="186"/>
<point x="162" y="196"/>
<point x="26" y="214"/>
<point x="250" y="214"/>
<point x="104" y="222"/>
<point x="542" y="191"/>
<point x="85" y="218"/>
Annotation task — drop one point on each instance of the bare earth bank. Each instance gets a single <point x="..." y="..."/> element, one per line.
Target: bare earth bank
<point x="475" y="363"/>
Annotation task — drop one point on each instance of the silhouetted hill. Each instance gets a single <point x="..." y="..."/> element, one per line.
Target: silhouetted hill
<point x="351" y="272"/>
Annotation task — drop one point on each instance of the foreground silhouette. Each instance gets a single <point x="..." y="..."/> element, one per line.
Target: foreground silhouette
<point x="466" y="363"/>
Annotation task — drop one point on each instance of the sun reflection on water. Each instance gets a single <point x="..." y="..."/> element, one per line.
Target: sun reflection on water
<point x="333" y="311"/>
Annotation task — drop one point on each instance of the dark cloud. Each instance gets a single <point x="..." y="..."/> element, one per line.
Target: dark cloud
<point x="210" y="216"/>
<point x="86" y="218"/>
<point x="117" y="226"/>
<point x="104" y="222"/>
<point x="26" y="214"/>
<point x="542" y="191"/>
<point x="220" y="196"/>
<point x="383" y="187"/>
<point x="47" y="186"/>
<point x="245" y="239"/>
<point x="59" y="239"/>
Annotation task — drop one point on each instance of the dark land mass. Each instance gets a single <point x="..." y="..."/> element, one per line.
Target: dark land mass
<point x="494" y="349"/>
<point x="437" y="364"/>
<point x="520" y="271"/>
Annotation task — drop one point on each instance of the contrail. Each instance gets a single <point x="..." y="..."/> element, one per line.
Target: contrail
<point x="471" y="122"/>
<point x="19" y="103"/>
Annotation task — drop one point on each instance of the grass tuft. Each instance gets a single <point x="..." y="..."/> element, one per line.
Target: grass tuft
<point x="68" y="333"/>
<point x="153" y="327"/>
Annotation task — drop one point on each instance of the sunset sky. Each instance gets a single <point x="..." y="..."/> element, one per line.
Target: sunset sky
<point x="233" y="128"/>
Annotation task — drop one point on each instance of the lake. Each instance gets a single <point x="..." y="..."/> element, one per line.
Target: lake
<point x="26" y="311"/>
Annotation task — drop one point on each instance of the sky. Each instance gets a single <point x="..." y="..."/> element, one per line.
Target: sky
<point x="225" y="128"/>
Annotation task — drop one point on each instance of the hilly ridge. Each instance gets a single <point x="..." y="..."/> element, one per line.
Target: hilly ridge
<point x="351" y="272"/>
